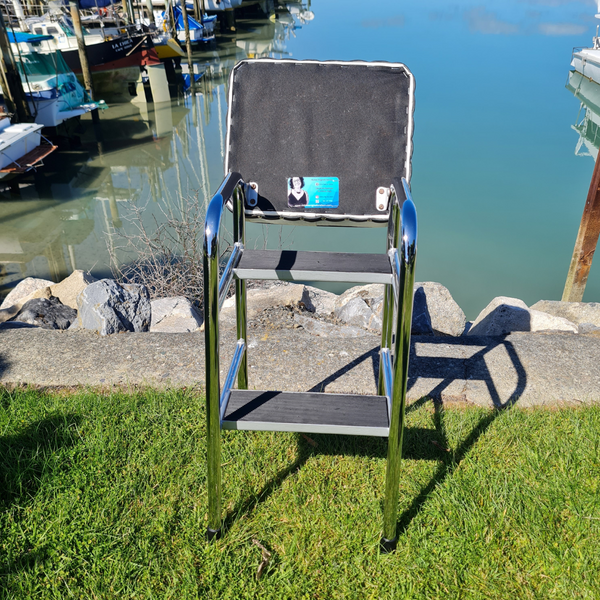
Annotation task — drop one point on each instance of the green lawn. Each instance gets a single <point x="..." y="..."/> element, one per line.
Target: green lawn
<point x="103" y="496"/>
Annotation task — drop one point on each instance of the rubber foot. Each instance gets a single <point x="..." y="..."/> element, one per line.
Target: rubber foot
<point x="213" y="534"/>
<point x="386" y="546"/>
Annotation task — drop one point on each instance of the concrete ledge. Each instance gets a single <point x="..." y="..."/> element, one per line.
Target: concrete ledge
<point x="523" y="368"/>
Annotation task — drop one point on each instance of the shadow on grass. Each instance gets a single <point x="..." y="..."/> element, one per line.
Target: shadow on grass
<point x="24" y="457"/>
<point x="418" y="443"/>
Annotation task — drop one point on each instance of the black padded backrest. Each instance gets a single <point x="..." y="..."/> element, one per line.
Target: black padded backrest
<point x="347" y="120"/>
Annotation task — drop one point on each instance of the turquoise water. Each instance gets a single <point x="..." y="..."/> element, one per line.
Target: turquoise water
<point x="498" y="187"/>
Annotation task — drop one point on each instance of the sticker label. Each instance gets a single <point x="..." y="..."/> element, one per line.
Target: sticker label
<point x="313" y="192"/>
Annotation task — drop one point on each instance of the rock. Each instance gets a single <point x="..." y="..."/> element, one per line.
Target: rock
<point x="68" y="289"/>
<point x="48" y="313"/>
<point x="506" y="315"/>
<point x="588" y="329"/>
<point x="435" y="312"/>
<point x="576" y="312"/>
<point x="23" y="289"/>
<point x="323" y="329"/>
<point x="174" y="315"/>
<point x="279" y="294"/>
<point x="370" y="294"/>
<point x="108" y="307"/>
<point x="12" y="311"/>
<point x="319" y="301"/>
<point x="356" y="312"/>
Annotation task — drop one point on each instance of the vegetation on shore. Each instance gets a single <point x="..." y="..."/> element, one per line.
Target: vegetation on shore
<point x="103" y="496"/>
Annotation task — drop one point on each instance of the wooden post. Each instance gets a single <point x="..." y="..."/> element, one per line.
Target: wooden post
<point x="85" y="67"/>
<point x="585" y="245"/>
<point x="11" y="80"/>
<point x="188" y="46"/>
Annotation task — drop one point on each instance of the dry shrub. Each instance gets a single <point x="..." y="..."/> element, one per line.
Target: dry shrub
<point x="166" y="257"/>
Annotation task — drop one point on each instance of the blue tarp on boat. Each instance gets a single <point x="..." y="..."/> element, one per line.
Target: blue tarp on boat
<point x="31" y="38"/>
<point x="179" y="20"/>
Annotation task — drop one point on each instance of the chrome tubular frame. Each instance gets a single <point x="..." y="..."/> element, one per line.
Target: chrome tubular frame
<point x="239" y="236"/>
<point x="240" y="351"/>
<point x="212" y="224"/>
<point x="227" y="276"/>
<point x="388" y="293"/>
<point x="407" y="257"/>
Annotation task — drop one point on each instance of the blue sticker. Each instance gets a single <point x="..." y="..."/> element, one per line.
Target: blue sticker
<point x="314" y="192"/>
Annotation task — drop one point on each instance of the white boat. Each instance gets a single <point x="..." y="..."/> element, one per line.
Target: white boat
<point x="18" y="145"/>
<point x="53" y="92"/>
<point x="587" y="60"/>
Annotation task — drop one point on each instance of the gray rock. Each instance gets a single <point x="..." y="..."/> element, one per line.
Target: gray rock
<point x="357" y="313"/>
<point x="107" y="307"/>
<point x="279" y="294"/>
<point x="588" y="329"/>
<point x="174" y="315"/>
<point x="23" y="289"/>
<point x="506" y="315"/>
<point x="328" y="330"/>
<point x="576" y="312"/>
<point x="47" y="313"/>
<point x="319" y="301"/>
<point x="435" y="312"/>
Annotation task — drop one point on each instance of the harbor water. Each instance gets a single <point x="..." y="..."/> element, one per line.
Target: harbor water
<point x="500" y="177"/>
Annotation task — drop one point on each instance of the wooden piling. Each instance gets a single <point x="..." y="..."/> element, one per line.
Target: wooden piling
<point x="188" y="46"/>
<point x="85" y="66"/>
<point x="12" y="85"/>
<point x="585" y="245"/>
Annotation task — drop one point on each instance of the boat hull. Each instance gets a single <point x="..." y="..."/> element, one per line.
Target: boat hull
<point x="110" y="55"/>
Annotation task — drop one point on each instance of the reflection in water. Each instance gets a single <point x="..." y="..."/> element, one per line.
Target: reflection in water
<point x="69" y="214"/>
<point x="587" y="124"/>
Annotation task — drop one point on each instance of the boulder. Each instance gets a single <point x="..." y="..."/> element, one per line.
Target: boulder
<point x="107" y="307"/>
<point x="28" y="286"/>
<point x="174" y="315"/>
<point x="48" y="313"/>
<point x="324" y="329"/>
<point x="576" y="312"/>
<point x="505" y="315"/>
<point x="356" y="312"/>
<point x="370" y="294"/>
<point x="319" y="301"/>
<point x="279" y="294"/>
<point x="435" y="312"/>
<point x="68" y="289"/>
<point x="13" y="311"/>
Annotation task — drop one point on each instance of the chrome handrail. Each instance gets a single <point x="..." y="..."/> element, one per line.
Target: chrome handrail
<point x="212" y="225"/>
<point x="405" y="261"/>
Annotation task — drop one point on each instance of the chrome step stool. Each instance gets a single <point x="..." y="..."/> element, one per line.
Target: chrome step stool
<point x="329" y="144"/>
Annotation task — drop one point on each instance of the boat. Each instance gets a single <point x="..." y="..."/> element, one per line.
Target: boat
<point x="21" y="147"/>
<point x="587" y="60"/>
<point x="199" y="31"/>
<point x="53" y="92"/>
<point x="115" y="59"/>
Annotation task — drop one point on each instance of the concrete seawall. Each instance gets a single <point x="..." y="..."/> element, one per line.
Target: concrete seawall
<point x="522" y="368"/>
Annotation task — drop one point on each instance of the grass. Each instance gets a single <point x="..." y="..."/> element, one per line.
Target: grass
<point x="103" y="496"/>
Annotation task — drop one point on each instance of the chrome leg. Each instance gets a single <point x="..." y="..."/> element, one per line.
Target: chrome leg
<point x="386" y="331"/>
<point x="213" y="425"/>
<point x="210" y="264"/>
<point x="407" y="253"/>
<point x="240" y="286"/>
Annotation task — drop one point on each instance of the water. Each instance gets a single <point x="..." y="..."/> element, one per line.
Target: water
<point x="498" y="186"/>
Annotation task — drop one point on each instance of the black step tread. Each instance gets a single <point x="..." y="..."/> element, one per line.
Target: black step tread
<point x="305" y="409"/>
<point x="335" y="262"/>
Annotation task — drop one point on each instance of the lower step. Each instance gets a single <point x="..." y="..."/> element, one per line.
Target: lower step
<point x="307" y="412"/>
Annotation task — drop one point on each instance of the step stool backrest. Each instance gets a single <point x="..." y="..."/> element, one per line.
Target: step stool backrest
<point x="350" y="121"/>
